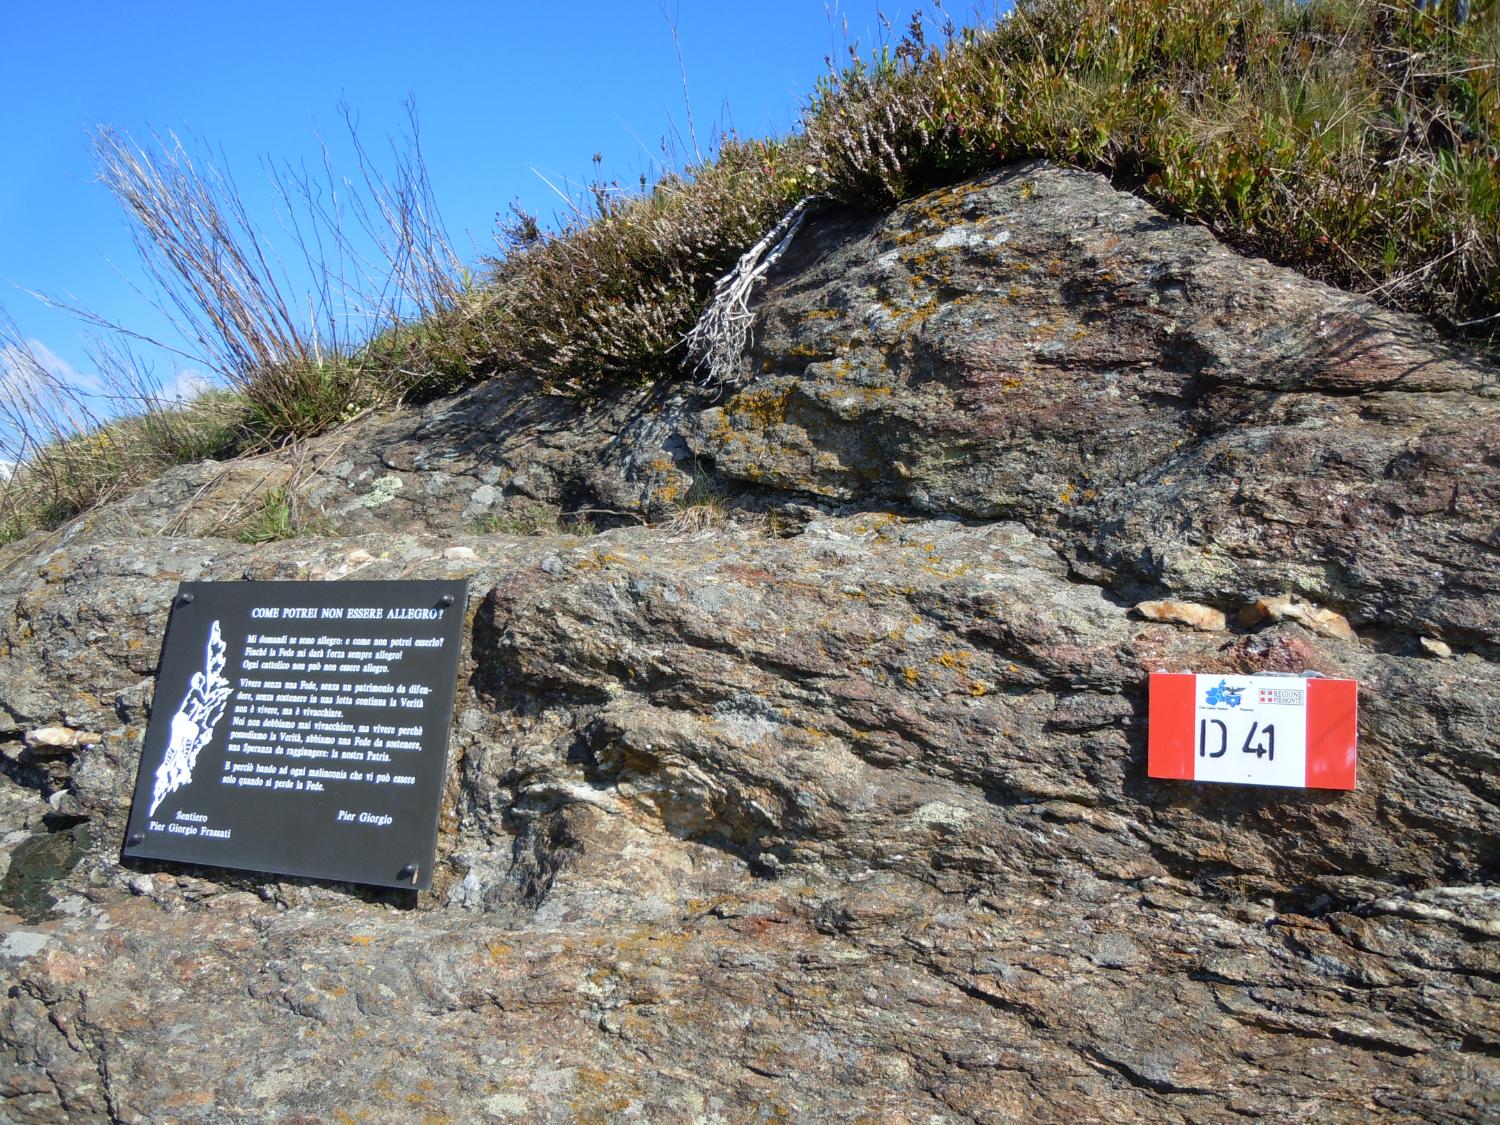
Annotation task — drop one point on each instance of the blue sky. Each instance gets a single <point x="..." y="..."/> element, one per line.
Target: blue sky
<point x="502" y="89"/>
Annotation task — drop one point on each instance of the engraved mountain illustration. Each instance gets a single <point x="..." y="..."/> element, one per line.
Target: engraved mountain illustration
<point x="193" y="723"/>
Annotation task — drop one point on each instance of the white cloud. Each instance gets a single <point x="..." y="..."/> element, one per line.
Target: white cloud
<point x="18" y="373"/>
<point x="6" y="469"/>
<point x="42" y="397"/>
<point x="26" y="370"/>
<point x="186" y="385"/>
<point x="63" y="371"/>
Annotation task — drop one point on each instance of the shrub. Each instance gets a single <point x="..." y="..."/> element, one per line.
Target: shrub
<point x="608" y="299"/>
<point x="1357" y="140"/>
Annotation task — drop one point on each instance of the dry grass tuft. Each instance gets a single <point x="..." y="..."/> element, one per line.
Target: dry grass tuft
<point x="67" y="461"/>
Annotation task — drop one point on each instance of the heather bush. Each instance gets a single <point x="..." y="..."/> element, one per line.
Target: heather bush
<point x="1357" y="140"/>
<point x="609" y="298"/>
<point x="1354" y="139"/>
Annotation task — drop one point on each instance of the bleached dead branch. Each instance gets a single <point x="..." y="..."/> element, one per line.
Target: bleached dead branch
<point x="717" y="341"/>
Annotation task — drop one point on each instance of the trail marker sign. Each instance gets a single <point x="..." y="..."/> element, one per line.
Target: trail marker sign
<point x="1300" y="732"/>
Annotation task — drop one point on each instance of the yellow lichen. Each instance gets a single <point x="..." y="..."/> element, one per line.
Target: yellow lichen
<point x="957" y="660"/>
<point x="907" y="319"/>
<point x="762" y="409"/>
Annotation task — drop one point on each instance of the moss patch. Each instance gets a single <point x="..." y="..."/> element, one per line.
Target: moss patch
<point x="37" y="864"/>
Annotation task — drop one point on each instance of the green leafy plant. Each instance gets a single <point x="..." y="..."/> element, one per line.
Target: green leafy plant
<point x="272" y="521"/>
<point x="280" y="513"/>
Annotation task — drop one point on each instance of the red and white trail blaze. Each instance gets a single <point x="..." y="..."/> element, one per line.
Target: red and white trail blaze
<point x="1254" y="730"/>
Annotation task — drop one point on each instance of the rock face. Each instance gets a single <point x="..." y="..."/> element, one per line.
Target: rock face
<point x="818" y="792"/>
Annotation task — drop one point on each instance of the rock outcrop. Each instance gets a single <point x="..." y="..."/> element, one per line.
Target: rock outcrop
<point x="814" y="787"/>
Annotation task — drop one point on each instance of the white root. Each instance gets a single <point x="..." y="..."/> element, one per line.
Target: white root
<point x="718" y="340"/>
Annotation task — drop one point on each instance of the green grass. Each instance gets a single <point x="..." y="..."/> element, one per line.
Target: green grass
<point x="280" y="513"/>
<point x="1358" y="141"/>
<point x="75" y="473"/>
<point x="527" y="517"/>
<point x="272" y="522"/>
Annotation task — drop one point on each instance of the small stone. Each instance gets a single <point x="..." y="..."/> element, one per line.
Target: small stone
<point x="1115" y="951"/>
<point x="459" y="553"/>
<point x="358" y="557"/>
<point x="552" y="565"/>
<point x="59" y="739"/>
<point x="485" y="496"/>
<point x="1330" y="624"/>
<point x="1434" y="647"/>
<point x="142" y="885"/>
<point x="1324" y="622"/>
<point x="1204" y="617"/>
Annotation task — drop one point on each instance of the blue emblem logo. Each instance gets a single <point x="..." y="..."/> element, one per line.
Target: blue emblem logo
<point x="1224" y="696"/>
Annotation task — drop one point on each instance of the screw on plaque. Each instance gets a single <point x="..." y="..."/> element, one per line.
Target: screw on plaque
<point x="409" y="873"/>
<point x="185" y="598"/>
<point x="134" y="839"/>
<point x="446" y="600"/>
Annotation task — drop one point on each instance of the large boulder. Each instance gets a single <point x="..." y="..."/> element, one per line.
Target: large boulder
<point x="825" y="799"/>
<point x="1039" y="346"/>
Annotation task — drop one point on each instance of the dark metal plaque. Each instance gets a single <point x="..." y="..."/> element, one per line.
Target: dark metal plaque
<point x="301" y="728"/>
